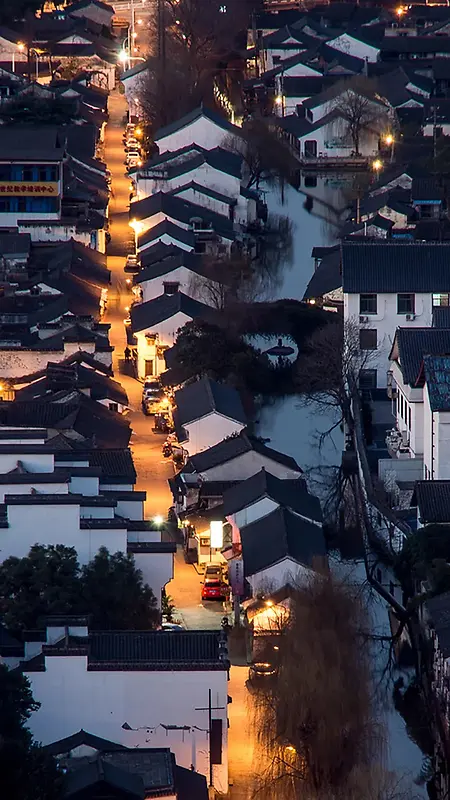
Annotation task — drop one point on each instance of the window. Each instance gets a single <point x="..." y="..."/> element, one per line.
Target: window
<point x="148" y="368"/>
<point x="171" y="287"/>
<point x="113" y="407"/>
<point x="368" y="379"/>
<point x="367" y="304"/>
<point x="368" y="339"/>
<point x="405" y="303"/>
<point x="5" y="172"/>
<point x="200" y="247"/>
<point x="310" y="181"/>
<point x="441" y="299"/>
<point x="27" y="174"/>
<point x="311" y="148"/>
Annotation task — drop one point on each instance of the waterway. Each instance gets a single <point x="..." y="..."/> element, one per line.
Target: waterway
<point x="294" y="427"/>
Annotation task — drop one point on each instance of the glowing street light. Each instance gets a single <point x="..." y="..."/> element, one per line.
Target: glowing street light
<point x="123" y="56"/>
<point x="377" y="165"/>
<point x="389" y="139"/>
<point x="279" y="100"/>
<point x="158" y="520"/>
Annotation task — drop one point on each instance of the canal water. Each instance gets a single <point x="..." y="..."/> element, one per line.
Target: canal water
<point x="294" y="427"/>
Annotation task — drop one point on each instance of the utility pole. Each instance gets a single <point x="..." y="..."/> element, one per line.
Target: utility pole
<point x="210" y="708"/>
<point x="162" y="59"/>
<point x="434" y="139"/>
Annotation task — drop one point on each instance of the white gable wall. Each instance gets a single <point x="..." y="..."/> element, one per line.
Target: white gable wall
<point x="386" y="322"/>
<point x="208" y="431"/>
<point x="262" y="507"/>
<point x="278" y="575"/>
<point x="205" y="175"/>
<point x="347" y="44"/>
<point x="190" y="282"/>
<point x="157" y="570"/>
<point x="246" y="465"/>
<point x="202" y="131"/>
<point x="101" y="701"/>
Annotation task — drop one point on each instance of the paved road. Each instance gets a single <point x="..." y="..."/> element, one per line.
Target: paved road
<point x="152" y="469"/>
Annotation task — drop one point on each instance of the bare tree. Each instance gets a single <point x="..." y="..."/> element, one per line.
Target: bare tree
<point x="360" y="107"/>
<point x="318" y="732"/>
<point x="265" y="154"/>
<point x="224" y="280"/>
<point x="329" y="371"/>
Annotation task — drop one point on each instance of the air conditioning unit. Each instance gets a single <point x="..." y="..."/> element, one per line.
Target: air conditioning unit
<point x="410" y="317"/>
<point x="364" y="319"/>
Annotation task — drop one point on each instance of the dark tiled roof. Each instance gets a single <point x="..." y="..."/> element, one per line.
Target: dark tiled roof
<point x="433" y="501"/>
<point x="100" y="772"/>
<point x="392" y="268"/>
<point x="414" y="343"/>
<point x="155" y="650"/>
<point x="25" y="143"/>
<point x="159" y="252"/>
<point x="191" y="261"/>
<point x="206" y="396"/>
<point x="437" y="376"/>
<point x="69" y="743"/>
<point x="214" y="488"/>
<point x="145" y="315"/>
<point x="202" y="111"/>
<point x="167" y="228"/>
<point x="155" y="767"/>
<point x="292" y="494"/>
<point x="182" y="211"/>
<point x="425" y="189"/>
<point x="234" y="447"/>
<point x="116" y="463"/>
<point x="15" y="244"/>
<point x="441" y="317"/>
<point x="415" y="44"/>
<point x="326" y="277"/>
<point x="280" y="535"/>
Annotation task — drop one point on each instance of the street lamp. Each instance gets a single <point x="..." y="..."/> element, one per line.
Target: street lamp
<point x="377" y="165"/>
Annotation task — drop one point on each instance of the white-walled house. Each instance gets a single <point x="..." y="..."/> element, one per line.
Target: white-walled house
<point x="239" y="458"/>
<point x="281" y="548"/>
<point x="354" y="44"/>
<point x="196" y="221"/>
<point x="137" y="688"/>
<point x="155" y="324"/>
<point x="201" y="126"/>
<point x="205" y="413"/>
<point x="327" y="137"/>
<point x="134" y="81"/>
<point x="262" y="494"/>
<point x="148" y="772"/>
<point x="436" y="418"/>
<point x="407" y="382"/>
<point x="389" y="285"/>
<point x="217" y="169"/>
<point x="184" y="272"/>
<point x="72" y="500"/>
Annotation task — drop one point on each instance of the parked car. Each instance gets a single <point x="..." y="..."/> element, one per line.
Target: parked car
<point x="131" y="264"/>
<point x="171" y="626"/>
<point x="214" y="586"/>
<point x="152" y="396"/>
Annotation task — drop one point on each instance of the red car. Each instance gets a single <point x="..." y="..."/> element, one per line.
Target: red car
<point x="213" y="590"/>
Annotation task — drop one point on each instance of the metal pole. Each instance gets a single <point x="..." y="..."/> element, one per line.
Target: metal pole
<point x="37" y="66"/>
<point x="13" y="61"/>
<point x="132" y="28"/>
<point x="209" y="728"/>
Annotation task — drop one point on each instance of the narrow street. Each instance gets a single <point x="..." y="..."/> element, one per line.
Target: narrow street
<point x="152" y="469"/>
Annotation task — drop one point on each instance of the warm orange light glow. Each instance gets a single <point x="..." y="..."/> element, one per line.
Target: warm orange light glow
<point x="377" y="165"/>
<point x="389" y="139"/>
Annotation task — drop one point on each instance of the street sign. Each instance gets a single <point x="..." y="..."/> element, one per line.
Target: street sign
<point x="236" y="573"/>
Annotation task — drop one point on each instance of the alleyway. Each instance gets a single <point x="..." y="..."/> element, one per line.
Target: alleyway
<point x="152" y="469"/>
